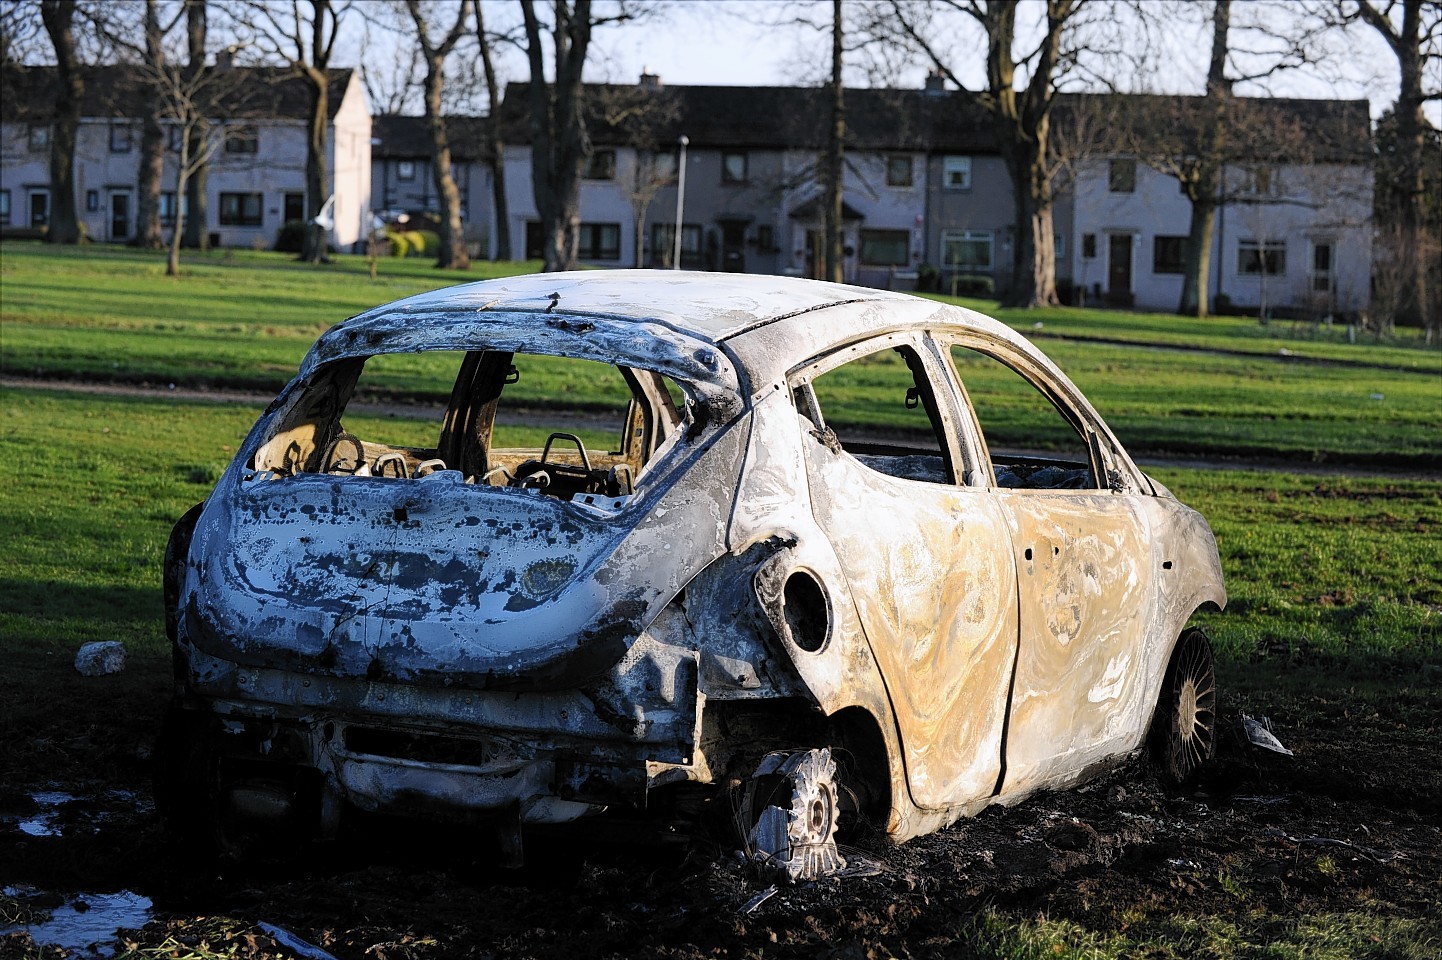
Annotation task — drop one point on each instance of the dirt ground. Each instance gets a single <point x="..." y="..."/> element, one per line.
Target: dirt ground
<point x="1353" y="822"/>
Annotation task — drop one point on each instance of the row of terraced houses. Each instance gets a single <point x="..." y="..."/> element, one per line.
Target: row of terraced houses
<point x="926" y="193"/>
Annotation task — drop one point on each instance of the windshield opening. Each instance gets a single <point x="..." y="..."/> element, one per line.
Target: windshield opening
<point x="558" y="425"/>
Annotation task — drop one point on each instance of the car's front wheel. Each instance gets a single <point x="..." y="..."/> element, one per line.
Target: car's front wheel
<point x="1184" y="729"/>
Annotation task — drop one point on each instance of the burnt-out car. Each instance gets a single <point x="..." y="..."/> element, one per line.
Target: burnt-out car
<point x="778" y="547"/>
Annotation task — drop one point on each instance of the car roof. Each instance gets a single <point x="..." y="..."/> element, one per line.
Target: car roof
<point x="706" y="306"/>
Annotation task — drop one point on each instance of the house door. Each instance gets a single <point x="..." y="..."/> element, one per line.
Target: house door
<point x="39" y="209"/>
<point x="1119" y="268"/>
<point x="120" y="215"/>
<point x="733" y="246"/>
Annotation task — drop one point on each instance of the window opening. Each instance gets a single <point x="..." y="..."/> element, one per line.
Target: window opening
<point x="491" y="416"/>
<point x="881" y="409"/>
<point x="1033" y="444"/>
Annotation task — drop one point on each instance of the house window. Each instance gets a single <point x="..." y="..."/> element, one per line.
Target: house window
<point x="733" y="167"/>
<point x="120" y="137"/>
<point x="600" y="165"/>
<point x="1261" y="181"/>
<point x="92" y="200"/>
<point x="4" y="208"/>
<point x="1089" y="246"/>
<point x="1322" y="265"/>
<point x="294" y="206"/>
<point x="40" y="209"/>
<point x="1122" y="176"/>
<point x="956" y="173"/>
<point x="1058" y="244"/>
<point x="600" y="241"/>
<point x="39" y="138"/>
<point x="898" y="170"/>
<point x="663" y="245"/>
<point x="966" y="249"/>
<point x="1262" y="257"/>
<point x="1169" y="254"/>
<point x="242" y="140"/>
<point x="167" y="207"/>
<point x="766" y="238"/>
<point x="662" y="167"/>
<point x="405" y="169"/>
<point x="885" y="248"/>
<point x="240" y="209"/>
<point x="173" y="135"/>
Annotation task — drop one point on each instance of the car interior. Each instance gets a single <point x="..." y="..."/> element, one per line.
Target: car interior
<point x="390" y="416"/>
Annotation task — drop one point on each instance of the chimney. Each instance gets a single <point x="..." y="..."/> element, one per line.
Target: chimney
<point x="935" y="84"/>
<point x="225" y="59"/>
<point x="650" y="81"/>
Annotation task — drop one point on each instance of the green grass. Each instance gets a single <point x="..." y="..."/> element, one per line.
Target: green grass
<point x="1405" y="348"/>
<point x="245" y="319"/>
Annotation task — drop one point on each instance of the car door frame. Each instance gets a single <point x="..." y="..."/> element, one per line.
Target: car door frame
<point x="1077" y="697"/>
<point x="951" y="734"/>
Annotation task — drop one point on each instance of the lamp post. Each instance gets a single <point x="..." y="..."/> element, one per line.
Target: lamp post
<point x="680" y="203"/>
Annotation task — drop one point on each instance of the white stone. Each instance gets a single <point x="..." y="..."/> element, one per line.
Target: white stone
<point x="100" y="659"/>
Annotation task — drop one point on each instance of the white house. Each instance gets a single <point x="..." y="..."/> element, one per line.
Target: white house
<point x="256" y="179"/>
<point x="1293" y="231"/>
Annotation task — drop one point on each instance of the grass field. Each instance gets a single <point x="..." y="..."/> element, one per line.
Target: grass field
<point x="245" y="319"/>
<point x="1336" y="595"/>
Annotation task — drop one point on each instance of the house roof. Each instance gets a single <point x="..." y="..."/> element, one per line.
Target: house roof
<point x="769" y="117"/>
<point x="1270" y="129"/>
<point x="953" y="121"/>
<point x="256" y="93"/>
<point x="398" y="137"/>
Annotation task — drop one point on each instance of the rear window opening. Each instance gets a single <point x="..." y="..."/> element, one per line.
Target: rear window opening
<point x="561" y="426"/>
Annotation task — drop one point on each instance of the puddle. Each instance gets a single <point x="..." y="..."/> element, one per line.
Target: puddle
<point x="43" y="824"/>
<point x="85" y="925"/>
<point x="59" y="812"/>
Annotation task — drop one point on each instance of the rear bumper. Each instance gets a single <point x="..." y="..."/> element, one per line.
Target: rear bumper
<point x="284" y="745"/>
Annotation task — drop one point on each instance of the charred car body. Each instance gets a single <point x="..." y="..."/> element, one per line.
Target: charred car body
<point x="730" y="586"/>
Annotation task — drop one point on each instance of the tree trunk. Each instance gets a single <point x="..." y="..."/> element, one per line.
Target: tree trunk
<point x="495" y="155"/>
<point x="558" y="130"/>
<point x="1204" y="188"/>
<point x="1022" y="120"/>
<point x="152" y="144"/>
<point x="453" y="254"/>
<point x="196" y="195"/>
<point x="1413" y="308"/>
<point x="1198" y="265"/>
<point x="1033" y="264"/>
<point x="317" y="164"/>
<point x="832" y="170"/>
<point x="58" y="16"/>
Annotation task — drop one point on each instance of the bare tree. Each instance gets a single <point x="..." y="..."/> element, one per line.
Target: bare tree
<point x="189" y="99"/>
<point x="1412" y="30"/>
<point x="559" y="141"/>
<point x="305" y="40"/>
<point x="452" y="255"/>
<point x="644" y="117"/>
<point x="59" y="19"/>
<point x="118" y="25"/>
<point x="559" y="144"/>
<point x="1020" y="93"/>
<point x="494" y="152"/>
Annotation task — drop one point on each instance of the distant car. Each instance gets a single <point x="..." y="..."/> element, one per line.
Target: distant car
<point x="669" y="533"/>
